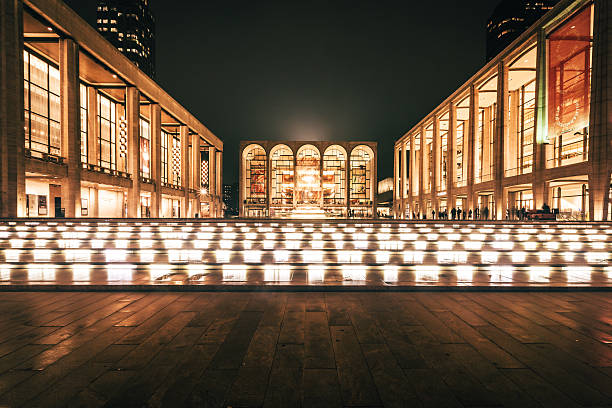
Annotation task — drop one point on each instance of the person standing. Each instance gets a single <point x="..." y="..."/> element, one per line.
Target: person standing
<point x="485" y="213"/>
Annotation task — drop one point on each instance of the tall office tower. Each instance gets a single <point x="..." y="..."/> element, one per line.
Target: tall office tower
<point x="129" y="25"/>
<point x="510" y="19"/>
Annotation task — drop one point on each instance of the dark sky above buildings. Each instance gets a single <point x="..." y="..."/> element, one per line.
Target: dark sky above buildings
<point x="314" y="70"/>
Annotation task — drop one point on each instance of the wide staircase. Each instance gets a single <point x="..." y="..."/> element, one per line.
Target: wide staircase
<point x="303" y="254"/>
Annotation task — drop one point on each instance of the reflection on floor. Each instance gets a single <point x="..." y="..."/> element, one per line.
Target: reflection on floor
<point x="314" y="253"/>
<point x="316" y="349"/>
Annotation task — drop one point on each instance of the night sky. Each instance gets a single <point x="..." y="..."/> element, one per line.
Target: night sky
<point x="314" y="70"/>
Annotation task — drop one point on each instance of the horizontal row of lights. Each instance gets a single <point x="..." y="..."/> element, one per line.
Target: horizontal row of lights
<point x="391" y="245"/>
<point x="307" y="256"/>
<point x="314" y="273"/>
<point x="589" y="229"/>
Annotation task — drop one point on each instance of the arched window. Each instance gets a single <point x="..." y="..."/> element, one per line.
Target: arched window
<point x="254" y="157"/>
<point x="308" y="170"/>
<point x="334" y="175"/>
<point x="281" y="171"/>
<point x="362" y="159"/>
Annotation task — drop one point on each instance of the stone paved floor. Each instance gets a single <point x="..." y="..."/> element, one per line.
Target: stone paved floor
<point x="305" y="349"/>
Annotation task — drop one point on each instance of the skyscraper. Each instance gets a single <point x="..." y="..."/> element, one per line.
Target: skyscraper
<point x="510" y="19"/>
<point x="129" y="25"/>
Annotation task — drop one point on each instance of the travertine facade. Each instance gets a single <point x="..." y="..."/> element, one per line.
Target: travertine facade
<point x="84" y="132"/>
<point x="532" y="127"/>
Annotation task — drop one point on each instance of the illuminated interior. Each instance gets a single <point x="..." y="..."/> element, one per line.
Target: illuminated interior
<point x="304" y="183"/>
<point x="516" y="135"/>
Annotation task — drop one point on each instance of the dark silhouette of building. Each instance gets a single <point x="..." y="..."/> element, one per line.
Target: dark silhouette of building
<point x="129" y="25"/>
<point x="510" y="19"/>
<point x="230" y="198"/>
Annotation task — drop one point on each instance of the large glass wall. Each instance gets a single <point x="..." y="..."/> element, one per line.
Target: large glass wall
<point x="165" y="137"/>
<point x="334" y="175"/>
<point x="83" y="112"/>
<point x="145" y="149"/>
<point x="41" y="106"/>
<point x="444" y="160"/>
<point x="570" y="198"/>
<point x="415" y="153"/>
<point x="428" y="159"/>
<point x="254" y="157"/>
<point x="569" y="86"/>
<point x="484" y="138"/>
<point x="461" y="144"/>
<point x="107" y="132"/>
<point x="362" y="160"/>
<point x="281" y="171"/>
<point x="308" y="172"/>
<point x="519" y="140"/>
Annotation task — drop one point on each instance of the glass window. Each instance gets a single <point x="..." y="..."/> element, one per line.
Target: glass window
<point x="334" y="175"/>
<point x="107" y="132"/>
<point x="164" y="156"/>
<point x="281" y="167"/>
<point x="443" y="146"/>
<point x="361" y="176"/>
<point x="255" y="174"/>
<point x="83" y="105"/>
<point x="145" y="149"/>
<point x="41" y="106"/>
<point x="416" y="160"/>
<point x="569" y="87"/>
<point x="308" y="173"/>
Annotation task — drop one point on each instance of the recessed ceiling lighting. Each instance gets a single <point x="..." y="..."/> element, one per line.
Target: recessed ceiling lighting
<point x="573" y="27"/>
<point x="114" y="76"/>
<point x="49" y="28"/>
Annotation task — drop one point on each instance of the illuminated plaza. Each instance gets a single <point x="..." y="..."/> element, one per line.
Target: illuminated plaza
<point x="363" y="255"/>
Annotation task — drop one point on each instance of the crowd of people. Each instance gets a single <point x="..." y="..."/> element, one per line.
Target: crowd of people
<point x="455" y="214"/>
<point x="513" y="213"/>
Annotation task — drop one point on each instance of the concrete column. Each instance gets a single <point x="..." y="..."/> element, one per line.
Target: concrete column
<point x="70" y="126"/>
<point x="435" y="163"/>
<point x="539" y="187"/>
<point x="156" y="159"/>
<point x="132" y="115"/>
<point x="499" y="137"/>
<point x="402" y="175"/>
<point x="197" y="168"/>
<point x="219" y="183"/>
<point x="420" y="169"/>
<point x="211" y="179"/>
<point x="600" y="124"/>
<point x="396" y="182"/>
<point x="348" y="181"/>
<point x="471" y="142"/>
<point x="96" y="204"/>
<point x="452" y="156"/>
<point x="12" y="160"/>
<point x="404" y="169"/>
<point x="294" y="180"/>
<point x="241" y="184"/>
<point x="374" y="185"/>
<point x="93" y="147"/>
<point x="184" y="136"/>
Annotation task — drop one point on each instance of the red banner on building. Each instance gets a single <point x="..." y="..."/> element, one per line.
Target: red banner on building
<point x="569" y="67"/>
